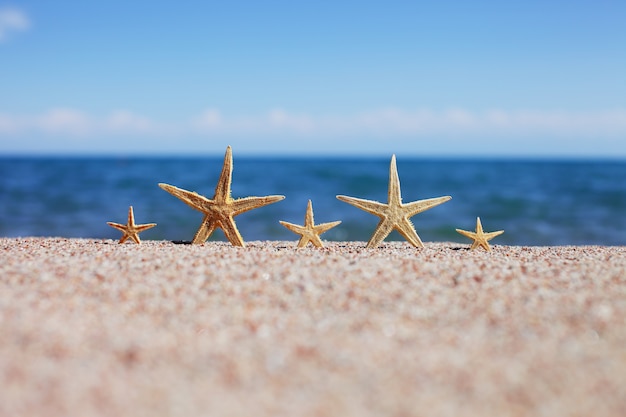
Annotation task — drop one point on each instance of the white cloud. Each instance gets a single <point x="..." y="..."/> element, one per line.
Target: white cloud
<point x="495" y="130"/>
<point x="12" y="20"/>
<point x="491" y="122"/>
<point x="73" y="122"/>
<point x="382" y="122"/>
<point x="209" y="119"/>
<point x="7" y="124"/>
<point x="212" y="121"/>
<point x="61" y="121"/>
<point x="394" y="121"/>
<point x="280" y="119"/>
<point x="124" y="121"/>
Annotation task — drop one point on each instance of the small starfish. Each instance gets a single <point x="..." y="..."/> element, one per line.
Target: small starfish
<point x="310" y="232"/>
<point x="220" y="211"/>
<point x="130" y="229"/>
<point x="394" y="214"/>
<point x="480" y="238"/>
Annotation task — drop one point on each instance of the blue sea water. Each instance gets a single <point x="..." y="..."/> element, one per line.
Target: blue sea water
<point x="536" y="202"/>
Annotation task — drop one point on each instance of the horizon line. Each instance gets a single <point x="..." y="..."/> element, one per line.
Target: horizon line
<point x="313" y="155"/>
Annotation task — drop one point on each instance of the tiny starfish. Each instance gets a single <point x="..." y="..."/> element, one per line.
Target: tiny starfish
<point x="130" y="229"/>
<point x="310" y="232"/>
<point x="480" y="238"/>
<point x="394" y="214"/>
<point x="220" y="211"/>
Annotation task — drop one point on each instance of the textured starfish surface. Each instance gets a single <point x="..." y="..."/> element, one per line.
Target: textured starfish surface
<point x="479" y="237"/>
<point x="310" y="232"/>
<point x="394" y="214"/>
<point x="130" y="229"/>
<point x="219" y="212"/>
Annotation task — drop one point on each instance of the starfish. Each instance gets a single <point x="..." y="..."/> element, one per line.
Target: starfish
<point x="310" y="232"/>
<point x="394" y="214"/>
<point x="219" y="212"/>
<point x="130" y="229"/>
<point x="480" y="238"/>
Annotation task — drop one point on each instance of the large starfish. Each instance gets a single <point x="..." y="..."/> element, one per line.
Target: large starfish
<point x="130" y="229"/>
<point x="480" y="238"/>
<point x="310" y="232"/>
<point x="394" y="214"/>
<point x="219" y="212"/>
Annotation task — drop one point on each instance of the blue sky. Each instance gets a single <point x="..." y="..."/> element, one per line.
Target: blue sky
<point x="450" y="78"/>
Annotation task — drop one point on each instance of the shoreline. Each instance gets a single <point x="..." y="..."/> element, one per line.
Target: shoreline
<point x="90" y="327"/>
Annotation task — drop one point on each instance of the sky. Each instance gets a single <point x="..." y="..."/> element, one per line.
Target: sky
<point x="423" y="78"/>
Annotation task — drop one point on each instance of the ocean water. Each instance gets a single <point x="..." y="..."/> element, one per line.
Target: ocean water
<point x="536" y="202"/>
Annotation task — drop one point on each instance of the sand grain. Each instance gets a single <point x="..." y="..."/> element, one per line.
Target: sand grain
<point x="93" y="328"/>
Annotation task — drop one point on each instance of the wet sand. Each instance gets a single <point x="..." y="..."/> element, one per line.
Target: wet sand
<point x="93" y="328"/>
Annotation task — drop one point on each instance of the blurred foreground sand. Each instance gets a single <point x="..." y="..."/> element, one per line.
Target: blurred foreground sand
<point x="93" y="328"/>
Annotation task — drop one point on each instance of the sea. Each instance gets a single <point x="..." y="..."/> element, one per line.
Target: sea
<point x="536" y="202"/>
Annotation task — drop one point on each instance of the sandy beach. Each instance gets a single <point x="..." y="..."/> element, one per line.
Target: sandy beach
<point x="94" y="328"/>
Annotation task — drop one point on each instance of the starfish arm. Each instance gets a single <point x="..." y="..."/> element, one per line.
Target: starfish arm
<point x="232" y="234"/>
<point x="406" y="229"/>
<point x="293" y="227"/>
<point x="478" y="243"/>
<point x="394" y="195"/>
<point x="120" y="227"/>
<point x="316" y="241"/>
<point x="491" y="235"/>
<point x="417" y="207"/>
<point x="372" y="207"/>
<point x="192" y="199"/>
<point x="141" y="227"/>
<point x="470" y="235"/>
<point x="222" y="189"/>
<point x="204" y="231"/>
<point x="308" y="217"/>
<point x="131" y="217"/>
<point x="135" y="237"/>
<point x="324" y="227"/>
<point x="479" y="226"/>
<point x="304" y="239"/>
<point x="242" y="205"/>
<point x="383" y="229"/>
